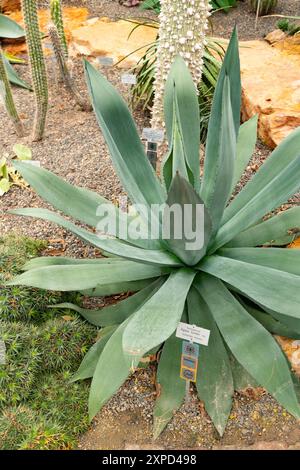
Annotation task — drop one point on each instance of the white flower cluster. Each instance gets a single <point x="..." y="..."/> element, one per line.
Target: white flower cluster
<point x="183" y="25"/>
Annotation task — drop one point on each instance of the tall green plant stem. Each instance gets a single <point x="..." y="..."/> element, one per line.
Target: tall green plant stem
<point x="38" y="67"/>
<point x="8" y="100"/>
<point x="57" y="19"/>
<point x="64" y="71"/>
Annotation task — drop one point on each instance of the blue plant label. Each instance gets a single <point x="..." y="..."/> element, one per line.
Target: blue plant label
<point x="190" y="349"/>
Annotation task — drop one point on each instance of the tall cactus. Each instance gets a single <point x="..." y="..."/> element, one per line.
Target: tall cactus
<point x="38" y="67"/>
<point x="182" y="31"/>
<point x="6" y="93"/>
<point x="263" y="7"/>
<point x="64" y="71"/>
<point x="57" y="19"/>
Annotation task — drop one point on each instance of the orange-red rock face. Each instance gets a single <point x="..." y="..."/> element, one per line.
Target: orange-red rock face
<point x="10" y="5"/>
<point x="271" y="87"/>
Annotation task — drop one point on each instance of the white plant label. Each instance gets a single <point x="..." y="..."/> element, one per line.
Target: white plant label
<point x="153" y="135"/>
<point x="193" y="333"/>
<point x="128" y="79"/>
<point x="106" y="61"/>
<point x="33" y="162"/>
<point x="2" y="352"/>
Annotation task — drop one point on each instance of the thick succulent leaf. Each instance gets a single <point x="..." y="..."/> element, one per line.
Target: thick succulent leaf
<point x="276" y="192"/>
<point x="274" y="289"/>
<point x="277" y="231"/>
<point x="180" y="103"/>
<point x="271" y="324"/>
<point x="230" y="71"/>
<point x="191" y="242"/>
<point x="158" y="318"/>
<point x="175" y="161"/>
<point x="280" y="159"/>
<point x="116" y="313"/>
<point x="117" y="288"/>
<point x="214" y="378"/>
<point x="81" y="277"/>
<point x="10" y="29"/>
<point x="171" y="386"/>
<point x="245" y="147"/>
<point x="276" y="258"/>
<point x="251" y="344"/>
<point x="14" y="77"/>
<point x="115" y="246"/>
<point x="61" y="261"/>
<point x="241" y="378"/>
<point x="90" y="360"/>
<point x="121" y="135"/>
<point x="87" y="206"/>
<point x="110" y="373"/>
<point x="217" y="184"/>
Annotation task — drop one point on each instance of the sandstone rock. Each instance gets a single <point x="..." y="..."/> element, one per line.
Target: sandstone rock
<point x="103" y="37"/>
<point x="271" y="87"/>
<point x="275" y="36"/>
<point x="10" y="5"/>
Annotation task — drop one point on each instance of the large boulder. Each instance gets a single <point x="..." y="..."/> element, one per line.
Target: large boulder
<point x="271" y="87"/>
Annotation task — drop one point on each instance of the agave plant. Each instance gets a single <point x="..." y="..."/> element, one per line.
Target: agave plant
<point x="234" y="285"/>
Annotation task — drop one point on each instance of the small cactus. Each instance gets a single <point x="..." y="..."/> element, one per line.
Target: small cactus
<point x="64" y="70"/>
<point x="37" y="64"/>
<point x="8" y="100"/>
<point x="263" y="7"/>
<point x="57" y="19"/>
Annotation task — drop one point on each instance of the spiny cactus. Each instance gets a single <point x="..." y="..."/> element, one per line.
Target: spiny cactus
<point x="263" y="7"/>
<point x="182" y="31"/>
<point x="6" y="94"/>
<point x="64" y="70"/>
<point x="38" y="67"/>
<point x="22" y="362"/>
<point x="57" y="18"/>
<point x="64" y="343"/>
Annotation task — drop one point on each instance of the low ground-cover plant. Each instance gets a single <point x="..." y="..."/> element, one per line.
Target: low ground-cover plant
<point x="238" y="283"/>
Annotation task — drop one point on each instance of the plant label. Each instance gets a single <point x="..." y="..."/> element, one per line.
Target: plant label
<point x="193" y="333"/>
<point x="2" y="352"/>
<point x="128" y="79"/>
<point x="190" y="349"/>
<point x="106" y="61"/>
<point x="153" y="135"/>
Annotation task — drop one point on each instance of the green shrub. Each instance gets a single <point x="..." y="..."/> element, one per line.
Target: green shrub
<point x="22" y="428"/>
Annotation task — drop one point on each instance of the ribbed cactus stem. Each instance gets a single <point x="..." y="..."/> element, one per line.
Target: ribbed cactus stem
<point x="182" y="30"/>
<point x="263" y="7"/>
<point x="37" y="65"/>
<point x="6" y="94"/>
<point x="57" y="19"/>
<point x="64" y="71"/>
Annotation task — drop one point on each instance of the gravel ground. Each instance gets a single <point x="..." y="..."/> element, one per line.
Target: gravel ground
<point x="74" y="149"/>
<point x="256" y="421"/>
